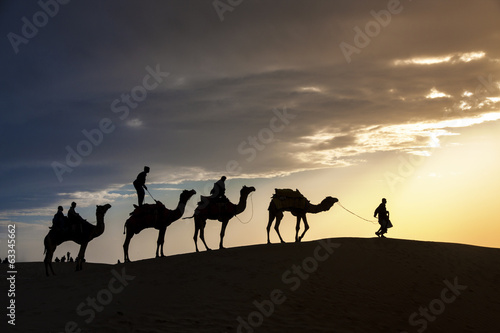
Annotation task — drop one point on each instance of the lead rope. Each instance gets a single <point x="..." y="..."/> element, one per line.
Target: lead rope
<point x="251" y="200"/>
<point x="371" y="221"/>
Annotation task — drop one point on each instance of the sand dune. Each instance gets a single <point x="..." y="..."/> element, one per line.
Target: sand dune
<point x="331" y="285"/>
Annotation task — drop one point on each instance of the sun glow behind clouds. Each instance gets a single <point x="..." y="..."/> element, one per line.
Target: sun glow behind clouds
<point x="437" y="94"/>
<point x="414" y="138"/>
<point x="310" y="89"/>
<point x="449" y="58"/>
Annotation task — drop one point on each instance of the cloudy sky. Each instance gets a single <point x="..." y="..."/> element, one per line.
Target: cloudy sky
<point x="354" y="99"/>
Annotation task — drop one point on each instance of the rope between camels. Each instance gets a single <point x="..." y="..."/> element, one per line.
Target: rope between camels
<point x="371" y="221"/>
<point x="251" y="217"/>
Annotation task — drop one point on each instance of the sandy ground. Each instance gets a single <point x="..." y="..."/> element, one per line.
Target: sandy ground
<point x="331" y="285"/>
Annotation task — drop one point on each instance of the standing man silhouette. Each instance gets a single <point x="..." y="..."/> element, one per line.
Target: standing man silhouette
<point x="140" y="184"/>
<point x="383" y="218"/>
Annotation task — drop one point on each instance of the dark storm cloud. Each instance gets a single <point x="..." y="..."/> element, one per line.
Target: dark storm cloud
<point x="226" y="81"/>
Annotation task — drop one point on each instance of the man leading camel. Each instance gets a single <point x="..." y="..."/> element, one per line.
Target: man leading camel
<point x="140" y="185"/>
<point x="383" y="218"/>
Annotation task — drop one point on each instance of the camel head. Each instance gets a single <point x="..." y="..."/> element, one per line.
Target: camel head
<point x="101" y="210"/>
<point x="186" y="195"/>
<point x="245" y="190"/>
<point x="328" y="202"/>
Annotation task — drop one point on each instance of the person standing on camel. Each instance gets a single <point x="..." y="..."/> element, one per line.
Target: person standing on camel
<point x="140" y="184"/>
<point x="383" y="218"/>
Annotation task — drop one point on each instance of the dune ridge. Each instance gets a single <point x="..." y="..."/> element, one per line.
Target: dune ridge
<point x="329" y="285"/>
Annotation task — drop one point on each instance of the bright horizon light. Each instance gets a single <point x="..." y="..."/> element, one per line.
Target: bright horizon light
<point x="387" y="138"/>
<point x="310" y="89"/>
<point x="437" y="94"/>
<point x="451" y="58"/>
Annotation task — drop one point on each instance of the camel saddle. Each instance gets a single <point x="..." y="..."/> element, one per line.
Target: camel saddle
<point x="285" y="198"/>
<point x="219" y="201"/>
<point x="147" y="209"/>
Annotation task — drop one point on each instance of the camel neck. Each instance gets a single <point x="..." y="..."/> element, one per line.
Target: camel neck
<point x="242" y="204"/>
<point x="181" y="206"/>
<point x="99" y="219"/>
<point x="98" y="229"/>
<point x="321" y="207"/>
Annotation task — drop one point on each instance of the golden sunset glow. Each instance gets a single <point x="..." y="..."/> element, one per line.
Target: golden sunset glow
<point x="450" y="58"/>
<point x="357" y="102"/>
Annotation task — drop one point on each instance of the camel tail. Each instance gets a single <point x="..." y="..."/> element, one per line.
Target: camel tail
<point x="125" y="227"/>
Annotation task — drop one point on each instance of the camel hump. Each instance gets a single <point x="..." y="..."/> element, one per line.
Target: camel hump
<point x="148" y="209"/>
<point x="287" y="193"/>
<point x="288" y="199"/>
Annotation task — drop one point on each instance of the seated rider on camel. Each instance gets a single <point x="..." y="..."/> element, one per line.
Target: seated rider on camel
<point x="74" y="219"/>
<point x="219" y="190"/>
<point x="59" y="222"/>
<point x="217" y="193"/>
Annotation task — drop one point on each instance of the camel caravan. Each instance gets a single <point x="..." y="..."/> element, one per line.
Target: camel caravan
<point x="214" y="207"/>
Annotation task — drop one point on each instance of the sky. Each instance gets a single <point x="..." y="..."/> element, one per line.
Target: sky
<point x="352" y="99"/>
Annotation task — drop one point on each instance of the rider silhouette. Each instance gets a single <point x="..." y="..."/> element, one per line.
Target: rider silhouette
<point x="219" y="189"/>
<point x="140" y="185"/>
<point x="59" y="220"/>
<point x="75" y="219"/>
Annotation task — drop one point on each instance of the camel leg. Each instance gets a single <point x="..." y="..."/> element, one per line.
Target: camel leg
<point x="81" y="256"/>
<point x="48" y="262"/>
<point x="196" y="236"/>
<point x="279" y="217"/>
<point x="202" y="235"/>
<point x="222" y="232"/>
<point x="269" y="224"/>
<point x="297" y="228"/>
<point x="199" y="225"/>
<point x="126" y="245"/>
<point x="49" y="253"/>
<point x="306" y="227"/>
<point x="160" y="241"/>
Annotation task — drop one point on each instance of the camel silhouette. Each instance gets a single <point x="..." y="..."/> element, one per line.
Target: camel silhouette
<point x="299" y="210"/>
<point x="88" y="232"/>
<point x="154" y="216"/>
<point x="215" y="209"/>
